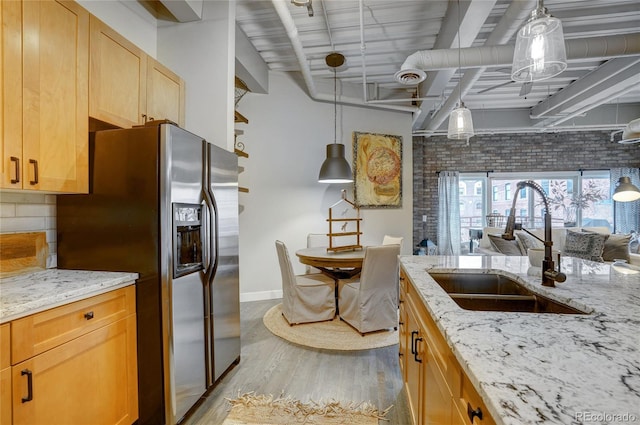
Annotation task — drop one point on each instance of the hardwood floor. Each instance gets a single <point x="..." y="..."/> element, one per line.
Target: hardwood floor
<point x="271" y="365"/>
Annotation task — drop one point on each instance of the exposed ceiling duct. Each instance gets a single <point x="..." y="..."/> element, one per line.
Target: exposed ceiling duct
<point x="472" y="57"/>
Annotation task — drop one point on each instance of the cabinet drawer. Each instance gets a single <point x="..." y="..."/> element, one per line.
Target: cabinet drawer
<point x="40" y="332"/>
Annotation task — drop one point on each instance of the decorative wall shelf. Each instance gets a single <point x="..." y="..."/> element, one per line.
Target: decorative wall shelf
<point x="344" y="221"/>
<point x="240" y="90"/>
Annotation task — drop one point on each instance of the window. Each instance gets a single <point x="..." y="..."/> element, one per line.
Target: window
<point x="472" y="204"/>
<point x="575" y="198"/>
<point x="462" y="188"/>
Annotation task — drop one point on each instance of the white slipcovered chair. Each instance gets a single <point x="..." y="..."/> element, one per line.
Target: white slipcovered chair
<point x="392" y="240"/>
<point x="305" y="298"/>
<point x="370" y="302"/>
<point x="315" y="240"/>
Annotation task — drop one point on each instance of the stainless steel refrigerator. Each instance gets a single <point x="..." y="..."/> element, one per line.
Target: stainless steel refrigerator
<point x="163" y="202"/>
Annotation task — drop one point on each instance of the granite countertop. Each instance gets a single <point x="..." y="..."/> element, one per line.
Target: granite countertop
<point x="532" y="368"/>
<point x="31" y="293"/>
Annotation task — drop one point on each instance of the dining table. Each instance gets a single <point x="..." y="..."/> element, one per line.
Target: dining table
<point x="335" y="264"/>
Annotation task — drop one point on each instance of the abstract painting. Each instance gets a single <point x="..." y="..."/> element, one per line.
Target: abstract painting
<point x="377" y="169"/>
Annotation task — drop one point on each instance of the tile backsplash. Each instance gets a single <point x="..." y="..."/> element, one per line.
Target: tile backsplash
<point x="22" y="212"/>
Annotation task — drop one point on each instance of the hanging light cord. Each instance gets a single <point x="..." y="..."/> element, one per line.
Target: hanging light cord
<point x="459" y="60"/>
<point x="335" y="108"/>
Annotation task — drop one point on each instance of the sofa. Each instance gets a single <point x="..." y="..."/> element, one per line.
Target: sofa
<point x="593" y="243"/>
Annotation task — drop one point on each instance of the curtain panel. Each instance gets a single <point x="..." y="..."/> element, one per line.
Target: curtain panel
<point x="449" y="239"/>
<point x="627" y="214"/>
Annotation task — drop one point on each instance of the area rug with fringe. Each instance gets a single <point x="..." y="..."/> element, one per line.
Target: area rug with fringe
<point x="330" y="335"/>
<point x="253" y="409"/>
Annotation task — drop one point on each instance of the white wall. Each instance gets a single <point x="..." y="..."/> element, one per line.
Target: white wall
<point x="286" y="140"/>
<point x="202" y="53"/>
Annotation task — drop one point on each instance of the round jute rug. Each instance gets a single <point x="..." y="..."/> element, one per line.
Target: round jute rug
<point x="329" y="335"/>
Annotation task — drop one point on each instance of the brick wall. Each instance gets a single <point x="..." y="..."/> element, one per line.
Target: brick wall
<point x="524" y="152"/>
<point x="22" y="212"/>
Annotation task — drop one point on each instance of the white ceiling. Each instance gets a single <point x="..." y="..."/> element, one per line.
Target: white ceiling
<point x="597" y="90"/>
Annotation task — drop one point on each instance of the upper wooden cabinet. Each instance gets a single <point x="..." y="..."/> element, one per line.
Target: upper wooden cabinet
<point x="45" y="59"/>
<point x="165" y="93"/>
<point x="117" y="78"/>
<point x="128" y="87"/>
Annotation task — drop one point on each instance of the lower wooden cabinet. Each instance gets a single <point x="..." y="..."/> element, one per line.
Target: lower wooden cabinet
<point x="439" y="393"/>
<point x="88" y="375"/>
<point x="5" y="375"/>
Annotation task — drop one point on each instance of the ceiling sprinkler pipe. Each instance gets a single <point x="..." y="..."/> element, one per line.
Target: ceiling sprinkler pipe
<point x="363" y="49"/>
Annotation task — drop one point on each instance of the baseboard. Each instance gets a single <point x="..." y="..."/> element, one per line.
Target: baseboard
<point x="260" y="296"/>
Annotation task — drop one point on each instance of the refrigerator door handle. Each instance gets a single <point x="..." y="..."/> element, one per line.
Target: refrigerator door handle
<point x="210" y="233"/>
<point x="204" y="236"/>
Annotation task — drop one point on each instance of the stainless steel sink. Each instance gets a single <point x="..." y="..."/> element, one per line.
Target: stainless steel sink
<point x="495" y="292"/>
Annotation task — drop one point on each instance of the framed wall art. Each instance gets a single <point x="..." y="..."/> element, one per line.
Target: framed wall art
<point x="377" y="170"/>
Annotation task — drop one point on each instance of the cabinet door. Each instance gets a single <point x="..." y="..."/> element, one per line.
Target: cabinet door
<point x="91" y="379"/>
<point x="403" y="334"/>
<point x="165" y="93"/>
<point x="437" y="399"/>
<point x="55" y="95"/>
<point x="11" y="94"/>
<point x="5" y="375"/>
<point x="414" y="365"/>
<point x="118" y="78"/>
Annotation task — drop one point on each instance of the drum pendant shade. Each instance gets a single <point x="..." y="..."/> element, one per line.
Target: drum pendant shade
<point x="335" y="169"/>
<point x="626" y="191"/>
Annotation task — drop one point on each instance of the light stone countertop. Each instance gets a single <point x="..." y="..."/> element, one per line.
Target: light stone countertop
<point x="532" y="368"/>
<point x="31" y="293"/>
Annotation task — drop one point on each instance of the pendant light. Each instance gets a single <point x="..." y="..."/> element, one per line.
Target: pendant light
<point x="335" y="169"/>
<point x="460" y="121"/>
<point x="539" y="53"/>
<point x="626" y="191"/>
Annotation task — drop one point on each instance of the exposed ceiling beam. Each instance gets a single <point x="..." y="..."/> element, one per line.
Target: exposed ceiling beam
<point x="467" y="22"/>
<point x="184" y="10"/>
<point x="600" y="93"/>
<point x="569" y="97"/>
<point x="493" y="121"/>
<point x="504" y="30"/>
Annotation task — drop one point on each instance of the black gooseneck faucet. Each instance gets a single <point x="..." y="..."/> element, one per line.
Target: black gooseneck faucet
<point x="549" y="274"/>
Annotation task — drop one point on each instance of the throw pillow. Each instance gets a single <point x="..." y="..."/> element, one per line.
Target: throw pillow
<point x="586" y="245"/>
<point x="527" y="241"/>
<point x="504" y="246"/>
<point x="616" y="247"/>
